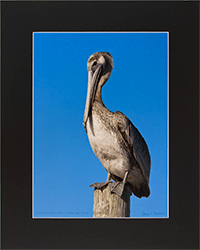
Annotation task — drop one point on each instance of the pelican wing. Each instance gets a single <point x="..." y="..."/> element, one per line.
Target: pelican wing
<point x="135" y="142"/>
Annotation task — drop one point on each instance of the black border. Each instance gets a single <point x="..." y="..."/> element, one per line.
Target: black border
<point x="19" y="230"/>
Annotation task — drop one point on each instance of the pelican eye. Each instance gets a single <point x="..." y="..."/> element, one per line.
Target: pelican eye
<point x="94" y="66"/>
<point x="94" y="63"/>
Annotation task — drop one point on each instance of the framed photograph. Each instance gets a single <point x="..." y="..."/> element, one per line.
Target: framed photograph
<point x="47" y="163"/>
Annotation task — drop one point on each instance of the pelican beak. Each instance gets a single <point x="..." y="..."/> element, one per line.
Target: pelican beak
<point x="93" y="80"/>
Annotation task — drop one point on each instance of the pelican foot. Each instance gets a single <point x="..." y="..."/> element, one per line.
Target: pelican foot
<point x="100" y="185"/>
<point x="118" y="188"/>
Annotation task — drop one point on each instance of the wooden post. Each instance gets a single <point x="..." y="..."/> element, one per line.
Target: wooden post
<point x="108" y="204"/>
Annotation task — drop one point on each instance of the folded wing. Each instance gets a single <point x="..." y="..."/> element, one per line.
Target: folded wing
<point x="136" y="143"/>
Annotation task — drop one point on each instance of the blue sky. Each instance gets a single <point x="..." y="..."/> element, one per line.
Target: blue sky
<point x="64" y="164"/>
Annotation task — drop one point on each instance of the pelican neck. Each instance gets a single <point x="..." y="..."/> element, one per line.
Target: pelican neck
<point x="98" y="96"/>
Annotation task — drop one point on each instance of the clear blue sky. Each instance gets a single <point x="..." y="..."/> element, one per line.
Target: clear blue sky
<point x="64" y="164"/>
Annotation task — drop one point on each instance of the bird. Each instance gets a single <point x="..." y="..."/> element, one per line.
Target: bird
<point x="115" y="141"/>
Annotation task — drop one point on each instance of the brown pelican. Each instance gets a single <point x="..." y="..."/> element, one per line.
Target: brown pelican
<point x="114" y="139"/>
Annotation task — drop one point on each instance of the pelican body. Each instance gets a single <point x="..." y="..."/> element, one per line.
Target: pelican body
<point x="114" y="139"/>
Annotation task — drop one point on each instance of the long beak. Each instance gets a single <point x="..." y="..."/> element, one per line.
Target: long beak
<point x="93" y="80"/>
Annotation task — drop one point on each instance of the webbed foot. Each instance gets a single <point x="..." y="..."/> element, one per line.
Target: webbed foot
<point x="118" y="188"/>
<point x="100" y="185"/>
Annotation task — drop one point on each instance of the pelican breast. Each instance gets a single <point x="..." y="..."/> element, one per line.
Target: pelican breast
<point x="106" y="141"/>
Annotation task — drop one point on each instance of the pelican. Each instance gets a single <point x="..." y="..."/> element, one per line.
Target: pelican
<point x="115" y="141"/>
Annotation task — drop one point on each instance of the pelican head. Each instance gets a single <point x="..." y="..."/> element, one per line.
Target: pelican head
<point x="99" y="67"/>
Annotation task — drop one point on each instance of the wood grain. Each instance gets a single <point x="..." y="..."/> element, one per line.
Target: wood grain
<point x="109" y="205"/>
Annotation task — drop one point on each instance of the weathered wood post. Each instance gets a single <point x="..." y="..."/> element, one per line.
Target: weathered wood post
<point x="108" y="204"/>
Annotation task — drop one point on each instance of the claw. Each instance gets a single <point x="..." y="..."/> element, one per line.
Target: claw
<point x="100" y="185"/>
<point x="118" y="188"/>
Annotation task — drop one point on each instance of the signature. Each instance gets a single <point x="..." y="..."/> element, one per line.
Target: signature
<point x="152" y="213"/>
